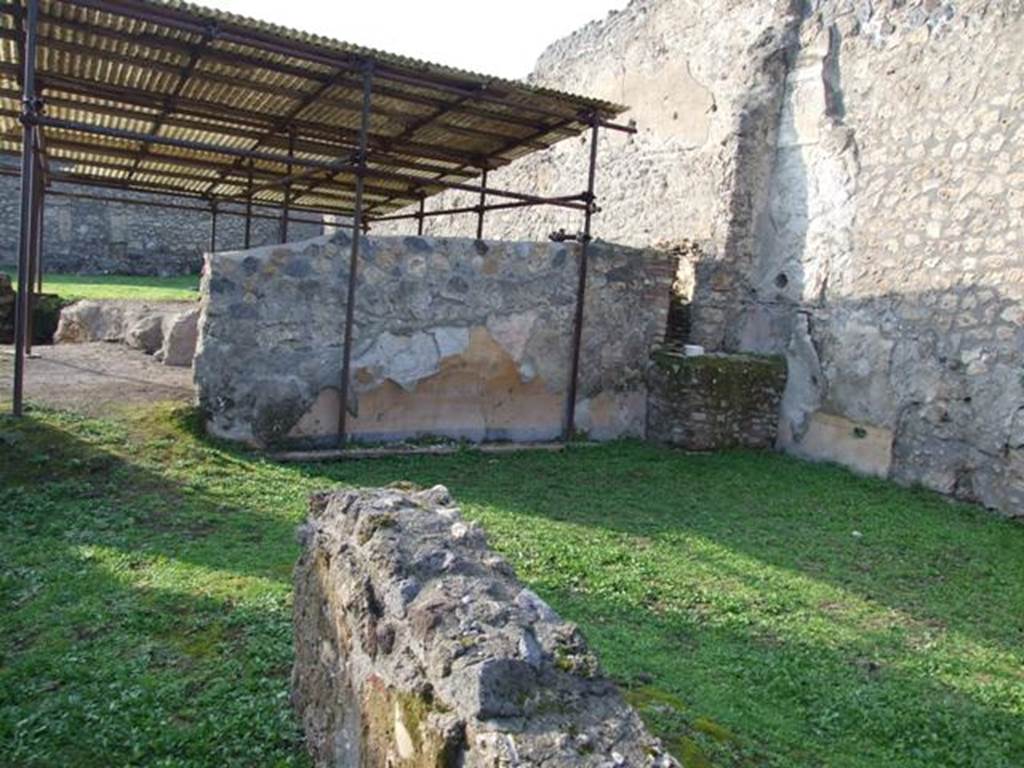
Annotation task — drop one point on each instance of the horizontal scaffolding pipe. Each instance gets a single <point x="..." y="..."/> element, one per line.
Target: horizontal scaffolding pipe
<point x="472" y="209"/>
<point x="136" y="187"/>
<point x="629" y="128"/>
<point x="327" y="165"/>
<point x="196" y="146"/>
<point x="221" y="211"/>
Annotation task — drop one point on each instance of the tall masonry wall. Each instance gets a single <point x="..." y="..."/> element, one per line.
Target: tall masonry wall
<point x="849" y="176"/>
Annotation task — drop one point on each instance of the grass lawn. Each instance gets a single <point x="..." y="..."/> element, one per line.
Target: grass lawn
<point x="74" y="287"/>
<point x="760" y="611"/>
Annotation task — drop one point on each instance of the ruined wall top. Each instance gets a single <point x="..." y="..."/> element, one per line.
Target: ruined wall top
<point x="417" y="646"/>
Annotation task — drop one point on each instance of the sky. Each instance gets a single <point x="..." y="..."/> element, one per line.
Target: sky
<point x="494" y="37"/>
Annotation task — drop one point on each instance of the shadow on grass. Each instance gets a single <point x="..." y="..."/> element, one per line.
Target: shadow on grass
<point x="143" y="622"/>
<point x="147" y="578"/>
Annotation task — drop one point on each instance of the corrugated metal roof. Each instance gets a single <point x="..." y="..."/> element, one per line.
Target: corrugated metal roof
<point x="183" y="93"/>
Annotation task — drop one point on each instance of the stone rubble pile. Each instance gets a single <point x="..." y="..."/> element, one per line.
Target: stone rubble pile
<point x="167" y="331"/>
<point x="417" y="646"/>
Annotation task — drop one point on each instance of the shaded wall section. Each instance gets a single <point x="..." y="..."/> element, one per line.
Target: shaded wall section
<point x="453" y="337"/>
<point x="889" y="267"/>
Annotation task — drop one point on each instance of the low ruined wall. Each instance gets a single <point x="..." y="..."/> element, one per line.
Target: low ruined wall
<point x="453" y="337"/>
<point x="717" y="401"/>
<point x="416" y="646"/>
<point x="167" y="330"/>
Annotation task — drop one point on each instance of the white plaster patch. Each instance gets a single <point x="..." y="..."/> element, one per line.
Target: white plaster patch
<point x="451" y="341"/>
<point x="512" y="332"/>
<point x="404" y="360"/>
<point x="403" y="741"/>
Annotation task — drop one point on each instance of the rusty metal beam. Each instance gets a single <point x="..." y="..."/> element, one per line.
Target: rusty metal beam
<point x="31" y="106"/>
<point x="581" y="287"/>
<point x="353" y="263"/>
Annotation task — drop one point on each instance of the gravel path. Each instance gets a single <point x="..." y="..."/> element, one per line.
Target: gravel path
<point x="93" y="378"/>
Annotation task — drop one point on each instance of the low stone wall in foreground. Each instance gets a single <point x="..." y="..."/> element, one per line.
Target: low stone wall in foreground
<point x="416" y="646"/>
<point x="452" y="337"/>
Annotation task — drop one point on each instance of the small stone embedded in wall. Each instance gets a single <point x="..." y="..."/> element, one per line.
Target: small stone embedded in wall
<point x="716" y="401"/>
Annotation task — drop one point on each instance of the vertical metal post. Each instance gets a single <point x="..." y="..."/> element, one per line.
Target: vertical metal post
<point x="39" y="234"/>
<point x="420" y="216"/>
<point x="480" y="210"/>
<point x="288" y="187"/>
<point x="248" y="208"/>
<point x="353" y="263"/>
<point x="34" y="253"/>
<point x="29" y="111"/>
<point x="213" y="226"/>
<point x="581" y="287"/>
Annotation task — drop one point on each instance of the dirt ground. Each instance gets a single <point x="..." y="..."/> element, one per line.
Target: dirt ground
<point x="94" y="378"/>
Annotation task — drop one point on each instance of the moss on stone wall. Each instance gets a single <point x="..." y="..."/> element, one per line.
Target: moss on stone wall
<point x="714" y="401"/>
<point x="45" y="316"/>
<point x="733" y="382"/>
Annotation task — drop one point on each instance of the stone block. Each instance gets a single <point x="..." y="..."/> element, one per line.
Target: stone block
<point x="715" y="401"/>
<point x="861" y="447"/>
<point x="181" y="334"/>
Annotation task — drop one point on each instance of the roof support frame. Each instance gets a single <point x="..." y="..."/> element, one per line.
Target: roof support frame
<point x="353" y="262"/>
<point x="158" y="43"/>
<point x="29" y="201"/>
<point x="293" y="48"/>
<point x="283" y="147"/>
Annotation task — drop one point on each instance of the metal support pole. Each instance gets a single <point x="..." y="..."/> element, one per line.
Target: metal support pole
<point x="213" y="226"/>
<point x="357" y="226"/>
<point x="581" y="288"/>
<point x="482" y="208"/>
<point x="33" y="259"/>
<point x="29" y="113"/>
<point x="248" y="209"/>
<point x="288" y="187"/>
<point x="39" y="237"/>
<point x="420" y="216"/>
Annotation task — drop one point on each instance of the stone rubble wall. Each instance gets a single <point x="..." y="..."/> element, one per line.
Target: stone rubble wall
<point x="703" y="83"/>
<point x="416" y="646"/>
<point x="453" y="337"/>
<point x="849" y="176"/>
<point x="97" y="237"/>
<point x="166" y="330"/>
<point x="713" y="402"/>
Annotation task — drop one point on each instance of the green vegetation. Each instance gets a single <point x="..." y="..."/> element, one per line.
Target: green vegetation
<point x="74" y="287"/>
<point x="759" y="611"/>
